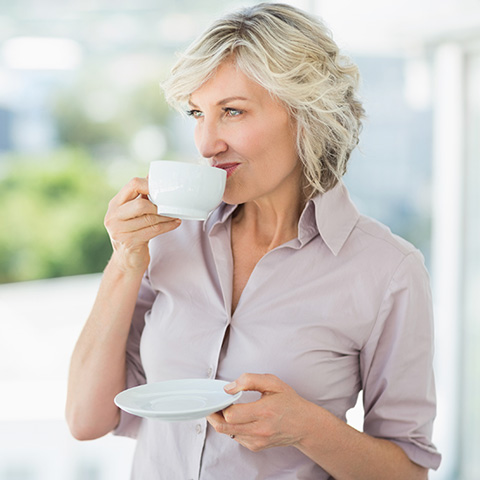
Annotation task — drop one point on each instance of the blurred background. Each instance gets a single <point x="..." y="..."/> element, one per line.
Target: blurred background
<point x="81" y="112"/>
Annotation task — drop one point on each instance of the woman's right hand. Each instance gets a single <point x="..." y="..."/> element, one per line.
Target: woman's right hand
<point x="131" y="222"/>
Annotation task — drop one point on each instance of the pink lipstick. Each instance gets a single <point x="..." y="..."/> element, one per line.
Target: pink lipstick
<point x="230" y="168"/>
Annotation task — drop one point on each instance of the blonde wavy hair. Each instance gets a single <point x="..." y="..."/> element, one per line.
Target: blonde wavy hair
<point x="293" y="56"/>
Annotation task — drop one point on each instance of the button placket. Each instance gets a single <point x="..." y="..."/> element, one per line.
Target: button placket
<point x="198" y="430"/>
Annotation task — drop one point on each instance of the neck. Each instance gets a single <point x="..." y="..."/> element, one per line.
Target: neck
<point x="271" y="222"/>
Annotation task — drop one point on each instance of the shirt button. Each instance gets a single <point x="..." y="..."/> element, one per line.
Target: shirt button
<point x="198" y="429"/>
<point x="210" y="372"/>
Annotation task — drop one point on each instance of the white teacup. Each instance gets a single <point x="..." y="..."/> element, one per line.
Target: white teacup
<point x="185" y="190"/>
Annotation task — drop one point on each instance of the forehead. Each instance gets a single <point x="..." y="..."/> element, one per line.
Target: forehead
<point x="229" y="81"/>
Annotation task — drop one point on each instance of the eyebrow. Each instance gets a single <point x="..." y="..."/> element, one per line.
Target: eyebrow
<point x="222" y="102"/>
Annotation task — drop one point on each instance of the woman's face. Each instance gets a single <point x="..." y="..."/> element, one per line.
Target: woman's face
<point x="245" y="131"/>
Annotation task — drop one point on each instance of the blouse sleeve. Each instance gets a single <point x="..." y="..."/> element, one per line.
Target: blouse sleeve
<point x="397" y="366"/>
<point x="135" y="375"/>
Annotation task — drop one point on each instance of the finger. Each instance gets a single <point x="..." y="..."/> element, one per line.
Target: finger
<point x="250" y="435"/>
<point x="130" y="232"/>
<point x="242" y="413"/>
<point x="217" y="421"/>
<point x="133" y="216"/>
<point x="135" y="187"/>
<point x="264" y="383"/>
<point x="154" y="222"/>
<point x="240" y="432"/>
<point x="135" y="208"/>
<point x="147" y="223"/>
<point x="215" y="418"/>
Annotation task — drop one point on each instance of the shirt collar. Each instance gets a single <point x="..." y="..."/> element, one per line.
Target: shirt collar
<point x="331" y="214"/>
<point x="218" y="216"/>
<point x="335" y="216"/>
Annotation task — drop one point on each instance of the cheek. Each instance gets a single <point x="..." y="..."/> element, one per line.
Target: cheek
<point x="246" y="144"/>
<point x="257" y="142"/>
<point x="196" y="135"/>
<point x="277" y="146"/>
<point x="252" y="146"/>
<point x="278" y="136"/>
<point x="286" y="139"/>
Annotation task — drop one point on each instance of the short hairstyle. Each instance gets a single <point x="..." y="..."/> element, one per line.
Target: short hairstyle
<point x="293" y="56"/>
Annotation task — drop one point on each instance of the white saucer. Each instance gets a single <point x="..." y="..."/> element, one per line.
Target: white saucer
<point x="176" y="400"/>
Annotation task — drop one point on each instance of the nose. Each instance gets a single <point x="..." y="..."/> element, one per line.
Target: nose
<point x="208" y="139"/>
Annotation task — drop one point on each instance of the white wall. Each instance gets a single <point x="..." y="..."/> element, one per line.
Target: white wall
<point x="39" y="324"/>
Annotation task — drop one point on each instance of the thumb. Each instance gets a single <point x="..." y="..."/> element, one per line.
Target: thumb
<point x="263" y="383"/>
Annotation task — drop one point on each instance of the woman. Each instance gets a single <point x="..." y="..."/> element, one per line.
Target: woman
<point x="285" y="289"/>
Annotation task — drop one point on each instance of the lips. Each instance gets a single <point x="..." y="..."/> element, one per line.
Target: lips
<point x="230" y="168"/>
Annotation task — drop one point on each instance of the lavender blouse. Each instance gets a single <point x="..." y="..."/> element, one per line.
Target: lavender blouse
<point x="342" y="309"/>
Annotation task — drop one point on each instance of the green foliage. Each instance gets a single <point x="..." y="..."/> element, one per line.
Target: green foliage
<point x="51" y="216"/>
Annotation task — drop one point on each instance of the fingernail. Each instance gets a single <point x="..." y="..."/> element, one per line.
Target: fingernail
<point x="230" y="386"/>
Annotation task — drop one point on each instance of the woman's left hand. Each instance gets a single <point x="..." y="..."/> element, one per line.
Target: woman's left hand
<point x="278" y="418"/>
<point x="282" y="417"/>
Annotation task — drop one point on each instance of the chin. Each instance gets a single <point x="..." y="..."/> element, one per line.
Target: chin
<point x="231" y="201"/>
<point x="232" y="196"/>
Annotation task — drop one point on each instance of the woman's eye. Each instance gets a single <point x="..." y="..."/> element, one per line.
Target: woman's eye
<point x="194" y="113"/>
<point x="232" y="112"/>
